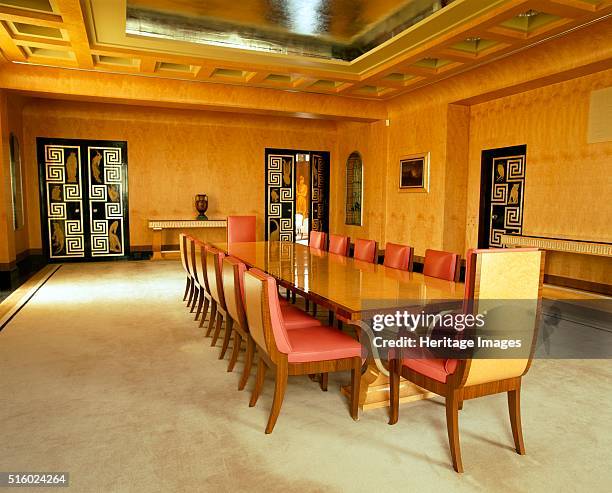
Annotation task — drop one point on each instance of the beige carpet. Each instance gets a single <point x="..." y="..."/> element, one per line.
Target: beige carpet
<point x="105" y="375"/>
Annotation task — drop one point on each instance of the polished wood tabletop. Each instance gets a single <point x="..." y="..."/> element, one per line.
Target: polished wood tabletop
<point x="349" y="287"/>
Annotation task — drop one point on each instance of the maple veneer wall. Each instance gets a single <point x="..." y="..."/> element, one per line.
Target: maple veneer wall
<point x="174" y="154"/>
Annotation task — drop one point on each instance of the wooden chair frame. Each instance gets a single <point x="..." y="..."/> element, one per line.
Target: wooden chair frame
<point x="455" y="392"/>
<point x="271" y="357"/>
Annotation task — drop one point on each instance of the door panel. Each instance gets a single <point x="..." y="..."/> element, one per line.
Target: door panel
<point x="107" y="210"/>
<point x="320" y="191"/>
<point x="63" y="198"/>
<point x="279" y="196"/>
<point x="502" y="194"/>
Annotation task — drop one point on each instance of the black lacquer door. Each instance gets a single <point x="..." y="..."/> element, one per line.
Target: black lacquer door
<point x="502" y="194"/>
<point x="84" y="199"/>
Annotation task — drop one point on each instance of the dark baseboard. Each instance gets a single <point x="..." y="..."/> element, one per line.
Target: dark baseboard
<point x="14" y="274"/>
<point x="579" y="284"/>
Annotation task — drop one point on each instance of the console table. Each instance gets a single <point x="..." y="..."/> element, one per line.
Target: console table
<point x="158" y="225"/>
<point x="559" y="245"/>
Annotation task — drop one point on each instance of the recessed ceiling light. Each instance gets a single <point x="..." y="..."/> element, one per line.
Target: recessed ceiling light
<point x="529" y="13"/>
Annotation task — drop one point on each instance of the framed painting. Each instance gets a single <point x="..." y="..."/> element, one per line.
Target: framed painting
<point x="414" y="173"/>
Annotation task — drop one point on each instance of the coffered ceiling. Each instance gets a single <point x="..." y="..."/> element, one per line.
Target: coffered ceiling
<point x="357" y="48"/>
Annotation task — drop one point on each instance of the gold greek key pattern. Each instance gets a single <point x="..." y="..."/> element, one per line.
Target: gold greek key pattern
<point x="559" y="245"/>
<point x="186" y="223"/>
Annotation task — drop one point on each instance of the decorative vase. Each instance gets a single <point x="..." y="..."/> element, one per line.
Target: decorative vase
<point x="201" y="205"/>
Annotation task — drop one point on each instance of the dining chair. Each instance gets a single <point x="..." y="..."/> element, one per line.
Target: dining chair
<point x="233" y="289"/>
<point x="183" y="252"/>
<point x="440" y="264"/>
<point x="365" y="250"/>
<point x="241" y="229"/>
<point x="398" y="256"/>
<point x="218" y="314"/>
<point x="339" y="244"/>
<point x="204" y="297"/>
<point x="190" y="248"/>
<point x="317" y="240"/>
<point x="494" y="277"/>
<point x="293" y="352"/>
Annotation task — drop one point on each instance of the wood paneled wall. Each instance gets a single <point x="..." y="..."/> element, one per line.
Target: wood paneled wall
<point x="175" y="154"/>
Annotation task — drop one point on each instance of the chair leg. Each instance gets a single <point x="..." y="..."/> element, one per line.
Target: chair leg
<point x="213" y="315"/>
<point x="191" y="290"/>
<point x="248" y="362"/>
<point x="323" y="381"/>
<point x="279" y="394"/>
<point x="194" y="300"/>
<point x="452" y="426"/>
<point x="187" y="286"/>
<point x="394" y="378"/>
<point x="200" y="302"/>
<point x="259" y="381"/>
<point x="330" y="318"/>
<point x="355" y="388"/>
<point x="235" y="351"/>
<point x="229" y="324"/>
<point x="460" y="404"/>
<point x="217" y="329"/>
<point x="514" y="406"/>
<point x="307" y="305"/>
<point x="314" y="309"/>
<point x="204" y="311"/>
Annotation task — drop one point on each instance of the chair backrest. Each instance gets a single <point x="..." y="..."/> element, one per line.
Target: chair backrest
<point x="508" y="287"/>
<point x="264" y="314"/>
<point x="317" y="240"/>
<point x="183" y="249"/>
<point x="233" y="290"/>
<point x="440" y="264"/>
<point x="398" y="256"/>
<point x="365" y="250"/>
<point x="470" y="275"/>
<point x="339" y="245"/>
<point x="241" y="229"/>
<point x="200" y="263"/>
<point x="214" y="259"/>
<point x="190" y="248"/>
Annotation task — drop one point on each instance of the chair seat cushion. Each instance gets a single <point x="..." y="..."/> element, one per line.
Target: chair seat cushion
<point x="426" y="364"/>
<point x="321" y="344"/>
<point x="294" y="318"/>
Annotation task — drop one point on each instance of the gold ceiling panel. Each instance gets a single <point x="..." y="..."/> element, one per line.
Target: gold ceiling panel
<point x="91" y="35"/>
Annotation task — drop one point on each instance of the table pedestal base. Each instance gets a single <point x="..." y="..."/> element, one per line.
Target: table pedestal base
<point x="374" y="390"/>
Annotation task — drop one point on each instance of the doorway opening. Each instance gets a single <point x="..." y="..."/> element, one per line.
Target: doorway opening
<point x="297" y="194"/>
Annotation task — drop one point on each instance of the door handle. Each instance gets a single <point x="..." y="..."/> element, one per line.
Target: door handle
<point x="95" y="210"/>
<point x="77" y="210"/>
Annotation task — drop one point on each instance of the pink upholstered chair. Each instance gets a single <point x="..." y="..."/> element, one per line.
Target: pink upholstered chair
<point x="189" y="279"/>
<point x="317" y="240"/>
<point x="190" y="259"/>
<point x="442" y="265"/>
<point x="293" y="352"/>
<point x="203" y="292"/>
<point x="214" y="273"/>
<point x="365" y="250"/>
<point x="241" y="229"/>
<point x="339" y="245"/>
<point x="458" y="380"/>
<point x="398" y="256"/>
<point x="236" y="323"/>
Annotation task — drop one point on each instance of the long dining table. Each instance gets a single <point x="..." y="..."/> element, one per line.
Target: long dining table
<point x="352" y="289"/>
